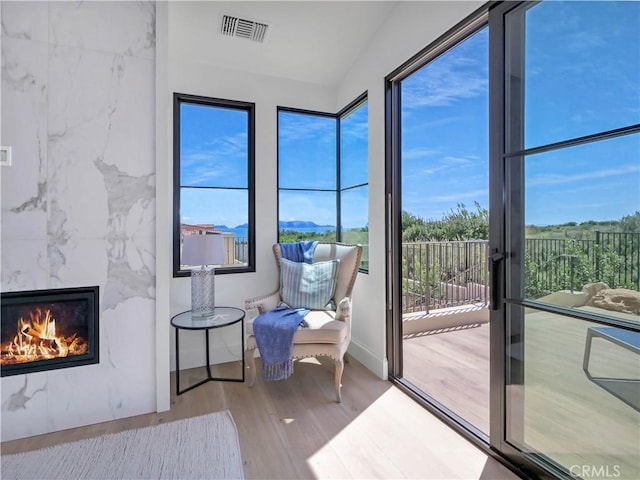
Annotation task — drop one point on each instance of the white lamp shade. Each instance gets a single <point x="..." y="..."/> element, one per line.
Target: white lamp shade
<point x="203" y="250"/>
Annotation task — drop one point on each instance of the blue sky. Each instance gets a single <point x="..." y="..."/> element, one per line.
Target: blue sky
<point x="214" y="154"/>
<point x="307" y="159"/>
<point x="582" y="75"/>
<point x="445" y="132"/>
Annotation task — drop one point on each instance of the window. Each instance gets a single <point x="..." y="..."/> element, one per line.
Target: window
<point x="354" y="176"/>
<point x="307" y="183"/>
<point x="214" y="177"/>
<point x="323" y="176"/>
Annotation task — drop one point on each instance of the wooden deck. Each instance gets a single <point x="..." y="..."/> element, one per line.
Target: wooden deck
<point x="567" y="416"/>
<point x="452" y="366"/>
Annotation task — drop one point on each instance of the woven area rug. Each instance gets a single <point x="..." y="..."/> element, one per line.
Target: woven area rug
<point x="205" y="447"/>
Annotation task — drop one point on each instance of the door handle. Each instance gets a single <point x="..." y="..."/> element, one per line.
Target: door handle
<point x="494" y="296"/>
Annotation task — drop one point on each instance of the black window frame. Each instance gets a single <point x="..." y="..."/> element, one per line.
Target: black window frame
<point x="249" y="108"/>
<point x="353" y="105"/>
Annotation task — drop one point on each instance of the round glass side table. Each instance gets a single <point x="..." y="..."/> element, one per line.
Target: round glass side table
<point x="220" y="318"/>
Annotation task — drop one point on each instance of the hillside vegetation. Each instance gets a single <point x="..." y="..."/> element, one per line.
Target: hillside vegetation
<point x="585" y="230"/>
<point x="556" y="257"/>
<point x="458" y="224"/>
<point x="462" y="223"/>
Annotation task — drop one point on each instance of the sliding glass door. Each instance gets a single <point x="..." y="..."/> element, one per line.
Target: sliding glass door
<point x="444" y="196"/>
<point x="571" y="258"/>
<point x="562" y="257"/>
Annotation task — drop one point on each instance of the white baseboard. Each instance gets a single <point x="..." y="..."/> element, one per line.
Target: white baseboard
<point x="195" y="357"/>
<point x="377" y="365"/>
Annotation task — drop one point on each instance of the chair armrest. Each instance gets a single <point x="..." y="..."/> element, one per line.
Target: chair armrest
<point x="266" y="303"/>
<point x="343" y="310"/>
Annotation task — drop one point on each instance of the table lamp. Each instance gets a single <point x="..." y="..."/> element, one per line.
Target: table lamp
<point x="206" y="251"/>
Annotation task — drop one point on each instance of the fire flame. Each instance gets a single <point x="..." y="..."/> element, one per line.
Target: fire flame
<point x="36" y="339"/>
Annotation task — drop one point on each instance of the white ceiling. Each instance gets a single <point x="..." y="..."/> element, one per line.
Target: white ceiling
<point x="309" y="41"/>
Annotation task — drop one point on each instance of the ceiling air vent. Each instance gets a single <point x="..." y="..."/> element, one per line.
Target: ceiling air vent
<point x="239" y="27"/>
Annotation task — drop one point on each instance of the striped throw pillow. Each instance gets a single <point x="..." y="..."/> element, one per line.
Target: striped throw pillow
<point x="308" y="285"/>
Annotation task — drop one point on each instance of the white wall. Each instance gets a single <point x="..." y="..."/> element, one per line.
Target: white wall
<point x="267" y="93"/>
<point x="78" y="107"/>
<point x="411" y="26"/>
<point x="78" y="204"/>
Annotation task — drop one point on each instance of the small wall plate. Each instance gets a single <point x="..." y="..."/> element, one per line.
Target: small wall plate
<point x="5" y="156"/>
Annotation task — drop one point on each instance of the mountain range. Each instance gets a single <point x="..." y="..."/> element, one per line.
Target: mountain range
<point x="283" y="225"/>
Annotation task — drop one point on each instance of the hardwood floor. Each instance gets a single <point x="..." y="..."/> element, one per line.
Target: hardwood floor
<point x="293" y="429"/>
<point x="452" y="366"/>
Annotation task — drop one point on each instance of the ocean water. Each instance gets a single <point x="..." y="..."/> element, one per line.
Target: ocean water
<point x="242" y="232"/>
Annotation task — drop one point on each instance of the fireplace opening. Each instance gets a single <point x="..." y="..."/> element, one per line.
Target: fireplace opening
<point x="48" y="329"/>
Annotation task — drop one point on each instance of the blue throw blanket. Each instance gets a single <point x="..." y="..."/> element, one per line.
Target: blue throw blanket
<point x="274" y="332"/>
<point x="299" y="251"/>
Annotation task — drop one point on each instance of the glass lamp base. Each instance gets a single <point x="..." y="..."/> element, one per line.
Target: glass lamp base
<point x="202" y="291"/>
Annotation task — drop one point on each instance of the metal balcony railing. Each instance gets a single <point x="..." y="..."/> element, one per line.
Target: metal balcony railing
<point x="447" y="274"/>
<point x="444" y="274"/>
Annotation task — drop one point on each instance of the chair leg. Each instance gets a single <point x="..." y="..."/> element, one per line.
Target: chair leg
<point x="346" y="357"/>
<point x="338" y="379"/>
<point x="250" y="360"/>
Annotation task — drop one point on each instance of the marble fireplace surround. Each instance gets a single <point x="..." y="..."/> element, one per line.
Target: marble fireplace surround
<point x="79" y="201"/>
<point x="49" y="329"/>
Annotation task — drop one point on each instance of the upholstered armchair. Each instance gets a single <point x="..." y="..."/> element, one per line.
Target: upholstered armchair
<point x="326" y="332"/>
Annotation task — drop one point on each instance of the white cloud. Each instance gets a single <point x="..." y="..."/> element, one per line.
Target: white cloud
<point x="445" y="81"/>
<point x="230" y="206"/>
<point x="458" y="196"/>
<point x="419" y="152"/>
<point x="203" y="162"/>
<point x="307" y="206"/>
<point x="294" y="127"/>
<point x="355" y="125"/>
<point x="431" y="171"/>
<point x="556" y="179"/>
<point x="451" y="160"/>
<point x="417" y="123"/>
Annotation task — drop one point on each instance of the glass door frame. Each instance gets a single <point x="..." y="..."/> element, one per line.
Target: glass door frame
<point x="393" y="193"/>
<point x="497" y="237"/>
<point x="507" y="153"/>
<point x="502" y="224"/>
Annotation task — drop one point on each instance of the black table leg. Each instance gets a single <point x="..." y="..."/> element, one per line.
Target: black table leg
<point x="209" y="377"/>
<point x="177" y="363"/>
<point x="206" y="336"/>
